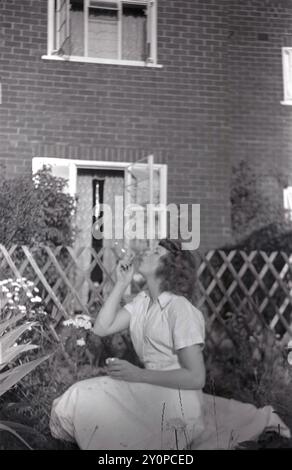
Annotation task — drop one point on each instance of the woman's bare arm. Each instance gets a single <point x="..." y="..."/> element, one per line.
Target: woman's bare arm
<point x="111" y="318"/>
<point x="190" y="376"/>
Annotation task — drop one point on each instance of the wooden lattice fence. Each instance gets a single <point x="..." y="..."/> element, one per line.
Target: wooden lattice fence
<point x="255" y="284"/>
<point x="56" y="272"/>
<point x="230" y="283"/>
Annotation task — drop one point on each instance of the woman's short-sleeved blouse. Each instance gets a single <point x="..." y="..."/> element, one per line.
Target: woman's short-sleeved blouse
<point x="171" y="323"/>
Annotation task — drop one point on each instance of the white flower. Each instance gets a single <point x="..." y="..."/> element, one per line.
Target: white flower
<point x="29" y="295"/>
<point x="80" y="342"/>
<point x="22" y="308"/>
<point x="10" y="301"/>
<point x="4" y="289"/>
<point x="9" y="295"/>
<point x="289" y="345"/>
<point x="80" y="321"/>
<point x="16" y="298"/>
<point x="83" y="321"/>
<point x="36" y="299"/>
<point x="36" y="289"/>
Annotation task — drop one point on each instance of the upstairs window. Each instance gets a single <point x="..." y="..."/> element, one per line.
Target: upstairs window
<point x="108" y="30"/>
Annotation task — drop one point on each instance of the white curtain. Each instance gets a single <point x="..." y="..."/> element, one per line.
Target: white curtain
<point x="77" y="33"/>
<point x="133" y="37"/>
<point x="113" y="186"/>
<point x="103" y="36"/>
<point x="84" y="232"/>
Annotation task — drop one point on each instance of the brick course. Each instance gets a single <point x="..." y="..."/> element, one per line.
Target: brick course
<point x="261" y="125"/>
<point x="216" y="100"/>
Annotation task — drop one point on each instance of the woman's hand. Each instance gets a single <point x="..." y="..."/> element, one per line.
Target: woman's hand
<point x="125" y="272"/>
<point x="123" y="370"/>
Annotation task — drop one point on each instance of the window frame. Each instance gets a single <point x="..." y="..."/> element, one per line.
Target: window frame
<point x="287" y="203"/>
<point x="71" y="187"/>
<point x="287" y="75"/>
<point x="53" y="54"/>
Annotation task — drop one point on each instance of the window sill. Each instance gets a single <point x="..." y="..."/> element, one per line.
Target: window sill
<point x="286" y="103"/>
<point x="91" y="60"/>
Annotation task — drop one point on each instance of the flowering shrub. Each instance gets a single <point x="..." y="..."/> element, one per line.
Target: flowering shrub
<point x="21" y="296"/>
<point x="75" y="338"/>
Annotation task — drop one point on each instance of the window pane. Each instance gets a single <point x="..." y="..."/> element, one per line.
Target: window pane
<point x="140" y="188"/>
<point x="77" y="27"/>
<point x="134" y="32"/>
<point x="103" y="33"/>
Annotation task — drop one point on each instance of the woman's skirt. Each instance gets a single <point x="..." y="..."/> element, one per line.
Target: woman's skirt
<point x="104" y="413"/>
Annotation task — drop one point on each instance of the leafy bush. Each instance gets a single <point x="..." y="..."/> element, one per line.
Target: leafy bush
<point x="272" y="237"/>
<point x="36" y="210"/>
<point x="252" y="366"/>
<point x="11" y="373"/>
<point x="251" y="209"/>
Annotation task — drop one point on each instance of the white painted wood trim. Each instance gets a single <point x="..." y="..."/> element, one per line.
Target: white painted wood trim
<point x="120" y="40"/>
<point x="140" y="2"/>
<point x="86" y="18"/>
<point x="153" y="6"/>
<point x="152" y="25"/>
<point x="163" y="200"/>
<point x="287" y="73"/>
<point x="50" y="30"/>
<point x="151" y="201"/>
<point x="57" y="20"/>
<point x="91" y="60"/>
<point x="108" y="165"/>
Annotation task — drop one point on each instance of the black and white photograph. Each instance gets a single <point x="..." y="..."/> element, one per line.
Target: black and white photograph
<point x="145" y="228"/>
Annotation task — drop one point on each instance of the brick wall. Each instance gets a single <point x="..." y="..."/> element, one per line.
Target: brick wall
<point x="92" y="111"/>
<point x="261" y="127"/>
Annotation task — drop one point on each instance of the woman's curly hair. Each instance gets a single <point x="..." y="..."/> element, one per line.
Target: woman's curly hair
<point x="177" y="270"/>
